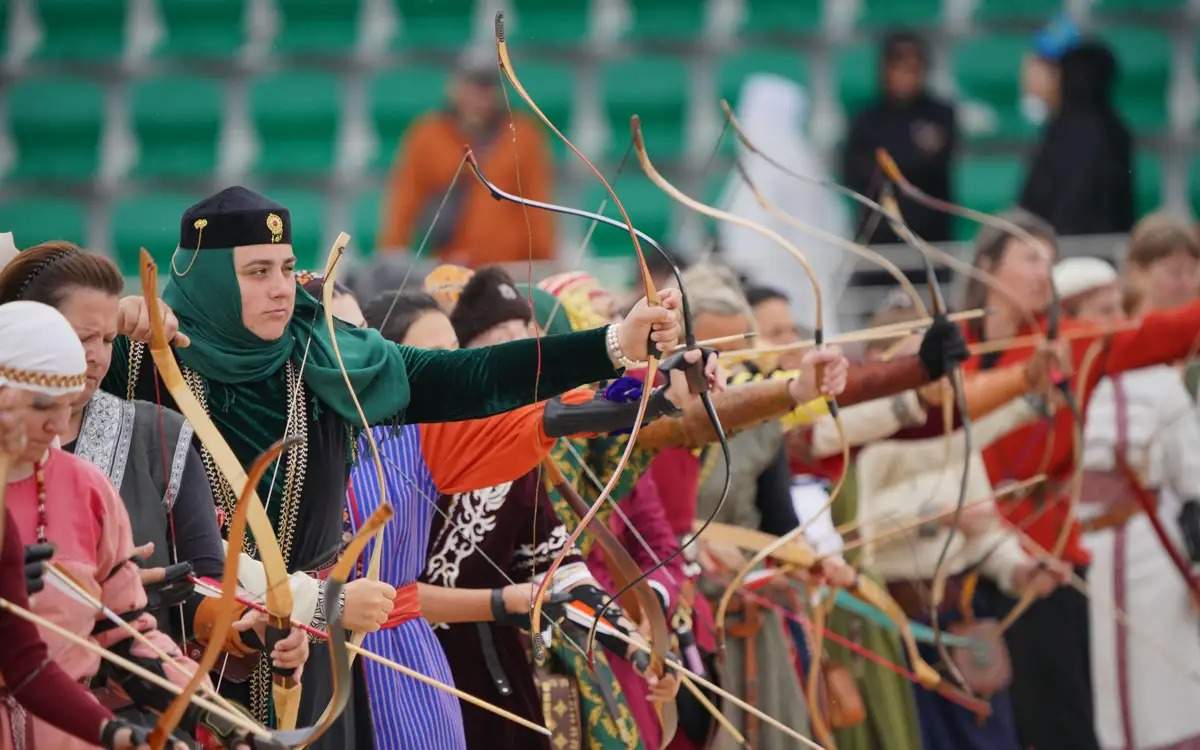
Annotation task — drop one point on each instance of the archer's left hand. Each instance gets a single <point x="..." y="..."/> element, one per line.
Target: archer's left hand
<point x="290" y="652"/>
<point x="659" y="323"/>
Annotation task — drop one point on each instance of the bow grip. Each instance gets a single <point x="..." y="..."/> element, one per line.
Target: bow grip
<point x="277" y="629"/>
<point x="693" y="371"/>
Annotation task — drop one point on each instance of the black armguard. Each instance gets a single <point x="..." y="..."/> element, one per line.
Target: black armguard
<point x="600" y="415"/>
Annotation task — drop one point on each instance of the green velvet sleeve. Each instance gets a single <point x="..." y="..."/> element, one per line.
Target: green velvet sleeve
<point x="469" y="383"/>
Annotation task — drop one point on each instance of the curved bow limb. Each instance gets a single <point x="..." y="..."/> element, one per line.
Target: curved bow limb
<point x="285" y="689"/>
<point x="506" y="68"/>
<point x="816" y="232"/>
<point x="625" y="572"/>
<point x="1028" y="596"/>
<point x="235" y="718"/>
<point x="661" y="182"/>
<point x="227" y="606"/>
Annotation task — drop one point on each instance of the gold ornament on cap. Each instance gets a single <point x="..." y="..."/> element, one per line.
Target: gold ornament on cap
<point x="275" y="227"/>
<point x="198" y="225"/>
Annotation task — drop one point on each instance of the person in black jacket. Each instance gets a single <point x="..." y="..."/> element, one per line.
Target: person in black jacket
<point x="916" y="128"/>
<point x="1081" y="177"/>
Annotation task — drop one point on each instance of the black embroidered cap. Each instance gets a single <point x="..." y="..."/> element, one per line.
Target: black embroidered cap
<point x="489" y="299"/>
<point x="235" y="216"/>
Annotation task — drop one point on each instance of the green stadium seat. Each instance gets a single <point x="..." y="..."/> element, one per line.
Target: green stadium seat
<point x="773" y="17"/>
<point x="666" y="19"/>
<point x="1147" y="182"/>
<point x="149" y="220"/>
<point x="296" y="114"/>
<point x="733" y="70"/>
<point x="308" y="225"/>
<point x="1138" y="6"/>
<point x="365" y="218"/>
<point x="550" y="22"/>
<point x="649" y="207"/>
<point x="1194" y="186"/>
<point x="1017" y="10"/>
<point x="988" y="69"/>
<point x="36" y="219"/>
<point x="884" y="14"/>
<point x="323" y="27"/>
<point x="82" y="29"/>
<point x="202" y="28"/>
<point x="177" y="120"/>
<point x="857" y="67"/>
<point x="398" y="96"/>
<point x="985" y="183"/>
<point x="1144" y="61"/>
<point x="445" y="24"/>
<point x="56" y="124"/>
<point x="655" y="88"/>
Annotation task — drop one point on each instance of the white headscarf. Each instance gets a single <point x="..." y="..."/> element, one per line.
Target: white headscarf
<point x="39" y="350"/>
<point x="772" y="110"/>
<point x="1074" y="276"/>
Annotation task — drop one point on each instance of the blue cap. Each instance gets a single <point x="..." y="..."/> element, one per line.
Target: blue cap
<point x="1056" y="38"/>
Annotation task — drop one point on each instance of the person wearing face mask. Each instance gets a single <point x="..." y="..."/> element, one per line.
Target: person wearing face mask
<point x="1051" y="690"/>
<point x="1080" y="179"/>
<point x="253" y="348"/>
<point x="1139" y="451"/>
<point x="52" y="496"/>
<point x="917" y="129"/>
<point x="473" y="229"/>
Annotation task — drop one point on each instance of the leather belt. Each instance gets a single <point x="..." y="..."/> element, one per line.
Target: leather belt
<point x="492" y="659"/>
<point x="913" y="595"/>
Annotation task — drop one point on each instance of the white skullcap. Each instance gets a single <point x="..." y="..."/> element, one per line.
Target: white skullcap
<point x="39" y="350"/>
<point x="1074" y="276"/>
<point x="8" y="249"/>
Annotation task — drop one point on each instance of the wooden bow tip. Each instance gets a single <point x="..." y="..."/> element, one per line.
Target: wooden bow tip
<point x="635" y="128"/>
<point x="886" y="163"/>
<point x="499" y="26"/>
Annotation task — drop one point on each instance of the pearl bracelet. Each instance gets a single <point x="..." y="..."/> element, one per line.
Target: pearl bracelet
<point x="616" y="355"/>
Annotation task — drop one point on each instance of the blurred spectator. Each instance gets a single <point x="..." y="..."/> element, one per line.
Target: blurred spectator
<point x="773" y="111"/>
<point x="774" y="322"/>
<point x="916" y="128"/>
<point x="1162" y="269"/>
<point x="1081" y="178"/>
<point x="473" y="229"/>
<point x="1040" y="71"/>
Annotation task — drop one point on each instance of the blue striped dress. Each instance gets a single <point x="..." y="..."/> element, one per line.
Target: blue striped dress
<point x="405" y="714"/>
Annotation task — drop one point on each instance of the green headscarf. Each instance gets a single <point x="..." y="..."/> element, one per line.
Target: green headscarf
<point x="207" y="301"/>
<point x="547" y="310"/>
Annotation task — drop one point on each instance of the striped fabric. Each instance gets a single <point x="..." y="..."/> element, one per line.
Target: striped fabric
<point x="405" y="713"/>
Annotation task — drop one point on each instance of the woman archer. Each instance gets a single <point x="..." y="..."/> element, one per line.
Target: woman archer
<point x="254" y="353"/>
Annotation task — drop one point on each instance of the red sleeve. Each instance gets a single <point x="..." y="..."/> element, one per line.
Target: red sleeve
<point x="477" y="453"/>
<point x="1163" y="336"/>
<point x="43" y="689"/>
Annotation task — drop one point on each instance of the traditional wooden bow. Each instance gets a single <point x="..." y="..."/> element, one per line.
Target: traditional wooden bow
<point x="1053" y="316"/>
<point x="284" y="687"/>
<point x="690" y="343"/>
<point x="652" y="298"/>
<point x="227" y="606"/>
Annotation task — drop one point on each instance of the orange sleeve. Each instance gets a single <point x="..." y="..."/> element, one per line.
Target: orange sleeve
<point x="406" y="191"/>
<point x="478" y="453"/>
<point x="538" y="171"/>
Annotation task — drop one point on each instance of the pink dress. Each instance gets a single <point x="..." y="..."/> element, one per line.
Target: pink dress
<point x="87" y="523"/>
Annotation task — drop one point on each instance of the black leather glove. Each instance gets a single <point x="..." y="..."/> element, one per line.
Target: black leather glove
<point x="585" y="602"/>
<point x="108" y="736"/>
<point x="36" y="557"/>
<point x="942" y="347"/>
<point x="173" y="590"/>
